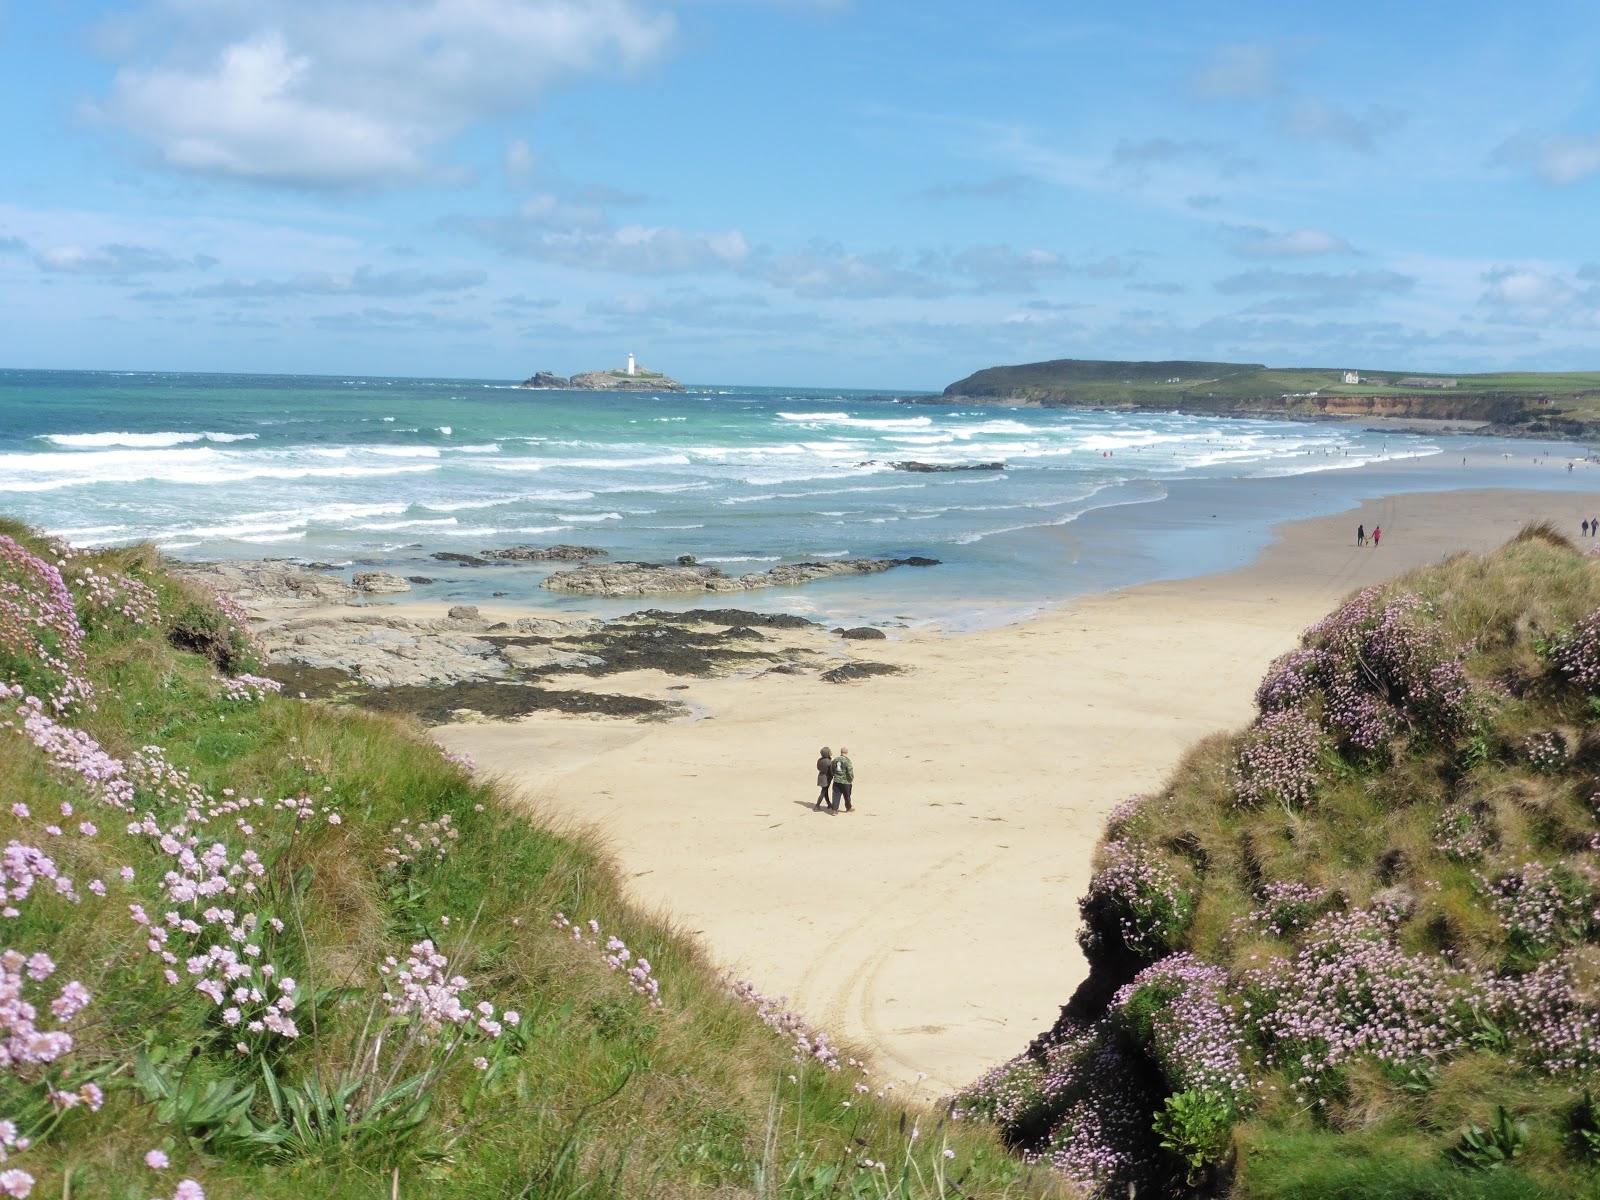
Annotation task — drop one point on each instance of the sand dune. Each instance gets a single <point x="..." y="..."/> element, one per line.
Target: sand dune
<point x="935" y="925"/>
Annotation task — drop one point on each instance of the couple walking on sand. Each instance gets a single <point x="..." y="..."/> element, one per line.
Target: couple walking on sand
<point x="839" y="774"/>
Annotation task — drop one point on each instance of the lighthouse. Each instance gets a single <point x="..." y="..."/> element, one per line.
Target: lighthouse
<point x="631" y="370"/>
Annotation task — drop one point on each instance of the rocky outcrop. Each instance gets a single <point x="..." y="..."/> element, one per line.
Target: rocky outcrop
<point x="385" y="651"/>
<point x="378" y="583"/>
<point x="452" y="556"/>
<point x="726" y="616"/>
<point x="620" y="381"/>
<point x="645" y="579"/>
<point x="922" y="468"/>
<point x="862" y="633"/>
<point x="268" y="581"/>
<point x="557" y="553"/>
<point x="545" y="379"/>
<point x="551" y="658"/>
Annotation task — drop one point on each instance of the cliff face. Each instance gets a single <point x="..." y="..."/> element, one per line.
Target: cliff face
<point x="1354" y="950"/>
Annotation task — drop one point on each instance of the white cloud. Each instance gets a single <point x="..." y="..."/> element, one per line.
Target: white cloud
<point x="115" y="260"/>
<point x="519" y="159"/>
<point x="632" y="249"/>
<point x="1562" y="160"/>
<point x="1534" y="296"/>
<point x="1239" y="73"/>
<point x="343" y="93"/>
<point x="1316" y="120"/>
<point x="1297" y="243"/>
<point x="363" y="281"/>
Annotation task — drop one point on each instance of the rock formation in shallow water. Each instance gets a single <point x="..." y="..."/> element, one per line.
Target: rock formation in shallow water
<point x="644" y="579"/>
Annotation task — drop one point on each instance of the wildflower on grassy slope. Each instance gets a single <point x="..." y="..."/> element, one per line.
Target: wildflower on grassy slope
<point x="1134" y="902"/>
<point x="1277" y="760"/>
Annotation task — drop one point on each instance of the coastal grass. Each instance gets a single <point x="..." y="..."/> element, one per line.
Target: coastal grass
<point x="596" y="1094"/>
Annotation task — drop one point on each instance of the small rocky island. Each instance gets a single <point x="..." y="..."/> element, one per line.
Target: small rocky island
<point x="629" y="378"/>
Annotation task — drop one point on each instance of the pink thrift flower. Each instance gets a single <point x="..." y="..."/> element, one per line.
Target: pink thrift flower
<point x="156" y="1160"/>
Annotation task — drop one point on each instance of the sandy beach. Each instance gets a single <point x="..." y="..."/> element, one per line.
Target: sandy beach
<point x="934" y="926"/>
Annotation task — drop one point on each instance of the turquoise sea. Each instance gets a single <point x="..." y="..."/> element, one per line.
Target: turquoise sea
<point x="366" y="470"/>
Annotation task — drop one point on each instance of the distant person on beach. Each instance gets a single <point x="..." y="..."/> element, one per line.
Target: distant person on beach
<point x="844" y="779"/>
<point x="1361" y="535"/>
<point x="824" y="777"/>
<point x="1594" y="526"/>
<point x="1377" y="534"/>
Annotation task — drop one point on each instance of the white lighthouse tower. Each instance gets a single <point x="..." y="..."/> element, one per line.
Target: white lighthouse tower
<point x="631" y="370"/>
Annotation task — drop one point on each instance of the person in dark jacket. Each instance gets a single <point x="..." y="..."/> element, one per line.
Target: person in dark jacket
<point x="844" y="779"/>
<point x="824" y="778"/>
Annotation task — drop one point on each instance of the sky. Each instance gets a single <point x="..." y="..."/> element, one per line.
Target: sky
<point x="841" y="193"/>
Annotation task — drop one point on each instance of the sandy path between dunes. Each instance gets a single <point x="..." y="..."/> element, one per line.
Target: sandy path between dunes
<point x="935" y="925"/>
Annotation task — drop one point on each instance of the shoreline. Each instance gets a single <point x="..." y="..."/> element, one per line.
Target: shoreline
<point x="986" y="767"/>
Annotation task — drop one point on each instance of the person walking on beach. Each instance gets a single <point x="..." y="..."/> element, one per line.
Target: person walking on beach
<point x="844" y="779"/>
<point x="1594" y="526"/>
<point x="1361" y="535"/>
<point x="824" y="778"/>
<point x="1377" y="534"/>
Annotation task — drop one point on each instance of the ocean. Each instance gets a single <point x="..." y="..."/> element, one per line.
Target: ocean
<point x="383" y="472"/>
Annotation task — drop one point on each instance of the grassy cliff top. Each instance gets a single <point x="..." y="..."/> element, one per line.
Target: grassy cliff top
<point x="1526" y="397"/>
<point x="1354" y="949"/>
<point x="259" y="947"/>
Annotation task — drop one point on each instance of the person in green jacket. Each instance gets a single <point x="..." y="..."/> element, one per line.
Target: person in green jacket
<point x="844" y="778"/>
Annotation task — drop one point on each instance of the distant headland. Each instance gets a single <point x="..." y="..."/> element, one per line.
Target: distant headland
<point x="629" y="378"/>
<point x="1528" y="403"/>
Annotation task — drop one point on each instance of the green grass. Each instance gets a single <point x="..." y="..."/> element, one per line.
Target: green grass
<point x="596" y="1096"/>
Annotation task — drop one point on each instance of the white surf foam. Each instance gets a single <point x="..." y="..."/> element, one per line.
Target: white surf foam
<point x="144" y="441"/>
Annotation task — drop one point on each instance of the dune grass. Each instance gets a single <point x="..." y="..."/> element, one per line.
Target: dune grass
<point x="588" y="1082"/>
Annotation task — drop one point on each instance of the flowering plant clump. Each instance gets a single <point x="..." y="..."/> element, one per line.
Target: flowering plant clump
<point x="615" y="954"/>
<point x="1292" y="679"/>
<point x="1544" y="751"/>
<point x="1377" y="665"/>
<point x="1134" y="903"/>
<point x="809" y="1044"/>
<point x="1288" y="907"/>
<point x="246" y="687"/>
<point x="1124" y="813"/>
<point x="1179" y="1010"/>
<point x="1100" y="1138"/>
<point x="1002" y="1095"/>
<point x="109" y="598"/>
<point x="41" y="638"/>
<point x="428" y="841"/>
<point x="1552" y="1024"/>
<point x="1349" y="993"/>
<point x="1277" y="760"/>
<point x="1540" y="907"/>
<point x="1577" y="654"/>
<point x="1464" y="831"/>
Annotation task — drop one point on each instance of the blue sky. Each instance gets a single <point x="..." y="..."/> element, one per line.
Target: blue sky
<point x="831" y="192"/>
